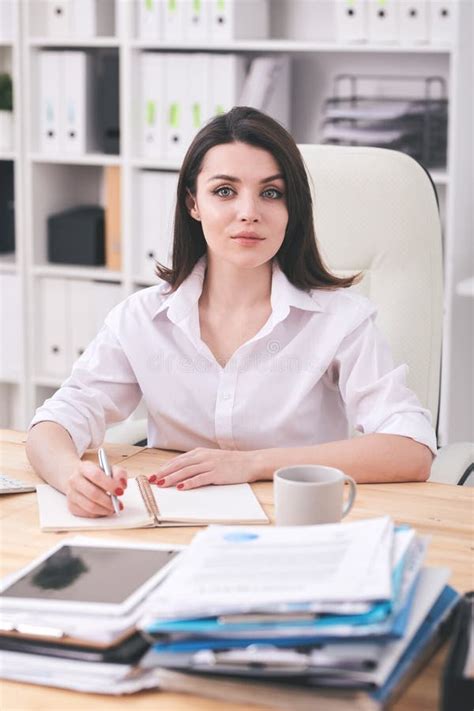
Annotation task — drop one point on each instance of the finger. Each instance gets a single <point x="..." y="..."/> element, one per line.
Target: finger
<point x="90" y="491"/>
<point x="196" y="481"/>
<point x="120" y="476"/>
<point x="81" y="505"/>
<point x="100" y="479"/>
<point x="176" y="463"/>
<point x="182" y="474"/>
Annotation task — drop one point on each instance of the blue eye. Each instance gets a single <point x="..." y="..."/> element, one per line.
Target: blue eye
<point x="223" y="192"/>
<point x="272" y="193"/>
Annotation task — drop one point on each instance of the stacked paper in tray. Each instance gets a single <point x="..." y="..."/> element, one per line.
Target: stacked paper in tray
<point x="339" y="606"/>
<point x="416" y="126"/>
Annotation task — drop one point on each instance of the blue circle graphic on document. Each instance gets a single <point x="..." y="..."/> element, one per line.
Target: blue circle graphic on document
<point x="240" y="536"/>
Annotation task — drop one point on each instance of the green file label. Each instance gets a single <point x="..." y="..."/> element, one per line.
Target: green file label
<point x="150" y="112"/>
<point x="174" y="115"/>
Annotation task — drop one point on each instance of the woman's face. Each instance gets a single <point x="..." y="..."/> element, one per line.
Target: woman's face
<point x="240" y="201"/>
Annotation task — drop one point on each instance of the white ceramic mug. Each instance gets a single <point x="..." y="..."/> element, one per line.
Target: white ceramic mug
<point x="306" y="494"/>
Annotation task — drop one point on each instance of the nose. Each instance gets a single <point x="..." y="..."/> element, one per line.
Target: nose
<point x="248" y="208"/>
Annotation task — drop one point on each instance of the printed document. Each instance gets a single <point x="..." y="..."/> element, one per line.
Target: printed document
<point x="228" y="569"/>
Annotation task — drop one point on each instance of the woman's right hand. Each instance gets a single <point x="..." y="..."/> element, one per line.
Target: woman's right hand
<point x="88" y="490"/>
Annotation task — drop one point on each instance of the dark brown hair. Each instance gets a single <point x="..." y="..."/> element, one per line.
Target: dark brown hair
<point x="298" y="256"/>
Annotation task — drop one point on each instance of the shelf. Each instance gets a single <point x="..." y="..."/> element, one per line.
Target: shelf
<point x="76" y="272"/>
<point x="466" y="287"/>
<point x="144" y="281"/>
<point x="154" y="164"/>
<point x="73" y="42"/>
<point x="99" y="159"/>
<point x="285" y="45"/>
<point x="8" y="263"/>
<point x="8" y="155"/>
<point x="439" y="177"/>
<point x="10" y="380"/>
<point x="48" y="381"/>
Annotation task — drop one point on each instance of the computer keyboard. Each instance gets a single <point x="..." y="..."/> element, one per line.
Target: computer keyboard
<point x="14" y="486"/>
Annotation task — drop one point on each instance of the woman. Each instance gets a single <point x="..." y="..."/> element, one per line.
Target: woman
<point x="249" y="354"/>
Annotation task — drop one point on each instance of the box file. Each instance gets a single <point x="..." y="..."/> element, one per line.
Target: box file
<point x="150" y="19"/>
<point x="351" y="20"/>
<point x="106" y="296"/>
<point x="80" y="18"/>
<point x="197" y="106"/>
<point x="54" y="358"/>
<point x="81" y="307"/>
<point x="150" y="220"/>
<point x="78" y="133"/>
<point x="165" y="239"/>
<point x="50" y="81"/>
<point x="7" y="25"/>
<point x="7" y="207"/>
<point x="196" y="20"/>
<point x="227" y="81"/>
<point x="177" y="80"/>
<point x="59" y="17"/>
<point x="106" y="93"/>
<point x="267" y="87"/>
<point x="413" y="21"/>
<point x="383" y="21"/>
<point x="112" y="218"/>
<point x="152" y="105"/>
<point x="238" y="19"/>
<point x="173" y="20"/>
<point x="88" y="305"/>
<point x="442" y="21"/>
<point x="72" y="313"/>
<point x="10" y="318"/>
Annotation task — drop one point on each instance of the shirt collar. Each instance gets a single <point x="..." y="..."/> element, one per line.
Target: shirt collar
<point x="283" y="296"/>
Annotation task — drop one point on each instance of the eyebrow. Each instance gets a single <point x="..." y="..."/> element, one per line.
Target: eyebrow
<point x="233" y="179"/>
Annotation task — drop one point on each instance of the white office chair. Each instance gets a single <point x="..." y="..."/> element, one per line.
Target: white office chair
<point x="376" y="212"/>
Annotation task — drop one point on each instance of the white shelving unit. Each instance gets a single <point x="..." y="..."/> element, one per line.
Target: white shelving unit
<point x="14" y="387"/>
<point x="305" y="31"/>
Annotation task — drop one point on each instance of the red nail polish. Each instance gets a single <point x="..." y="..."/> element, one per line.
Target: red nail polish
<point x="119" y="491"/>
<point x="180" y="486"/>
<point x="161" y="482"/>
<point x="152" y="479"/>
<point x="121" y="506"/>
<point x="124" y="483"/>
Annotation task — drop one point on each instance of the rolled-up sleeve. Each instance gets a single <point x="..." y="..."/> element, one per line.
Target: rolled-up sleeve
<point x="101" y="390"/>
<point x="375" y="392"/>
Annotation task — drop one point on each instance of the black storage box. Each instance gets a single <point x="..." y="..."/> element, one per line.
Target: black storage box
<point x="76" y="236"/>
<point x="7" y="207"/>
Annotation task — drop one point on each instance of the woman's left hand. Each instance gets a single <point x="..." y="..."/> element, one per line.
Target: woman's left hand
<point x="202" y="466"/>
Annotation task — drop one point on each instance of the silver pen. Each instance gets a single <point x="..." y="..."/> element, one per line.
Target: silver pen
<point x="104" y="465"/>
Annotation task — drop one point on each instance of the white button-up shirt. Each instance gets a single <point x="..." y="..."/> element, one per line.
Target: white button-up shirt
<point x="317" y="369"/>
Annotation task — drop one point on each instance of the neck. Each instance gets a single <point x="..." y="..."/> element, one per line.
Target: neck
<point x="229" y="288"/>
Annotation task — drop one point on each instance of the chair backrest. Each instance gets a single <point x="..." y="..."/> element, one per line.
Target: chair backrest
<point x="376" y="212"/>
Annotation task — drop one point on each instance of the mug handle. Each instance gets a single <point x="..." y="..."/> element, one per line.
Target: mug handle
<point x="352" y="495"/>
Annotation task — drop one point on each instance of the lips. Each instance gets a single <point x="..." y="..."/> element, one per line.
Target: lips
<point x="247" y="235"/>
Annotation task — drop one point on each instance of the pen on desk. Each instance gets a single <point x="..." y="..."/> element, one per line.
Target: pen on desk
<point x="104" y="465"/>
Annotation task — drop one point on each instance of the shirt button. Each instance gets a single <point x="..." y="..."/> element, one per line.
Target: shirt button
<point x="226" y="396"/>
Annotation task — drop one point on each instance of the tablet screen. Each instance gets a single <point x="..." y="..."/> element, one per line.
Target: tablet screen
<point x="90" y="574"/>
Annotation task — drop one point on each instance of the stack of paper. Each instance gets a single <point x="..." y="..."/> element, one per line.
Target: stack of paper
<point x="339" y="606"/>
<point x="414" y="126"/>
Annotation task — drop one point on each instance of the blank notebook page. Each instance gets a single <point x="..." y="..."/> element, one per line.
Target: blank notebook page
<point x="228" y="503"/>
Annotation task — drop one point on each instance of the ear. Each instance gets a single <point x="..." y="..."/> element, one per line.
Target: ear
<point x="192" y="206"/>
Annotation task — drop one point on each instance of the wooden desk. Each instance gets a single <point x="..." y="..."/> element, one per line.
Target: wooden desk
<point x="444" y="512"/>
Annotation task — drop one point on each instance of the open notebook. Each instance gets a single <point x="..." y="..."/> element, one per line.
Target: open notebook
<point x="148" y="506"/>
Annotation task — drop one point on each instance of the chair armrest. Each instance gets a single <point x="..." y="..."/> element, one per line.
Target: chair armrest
<point x="453" y="463"/>
<point x="128" y="432"/>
